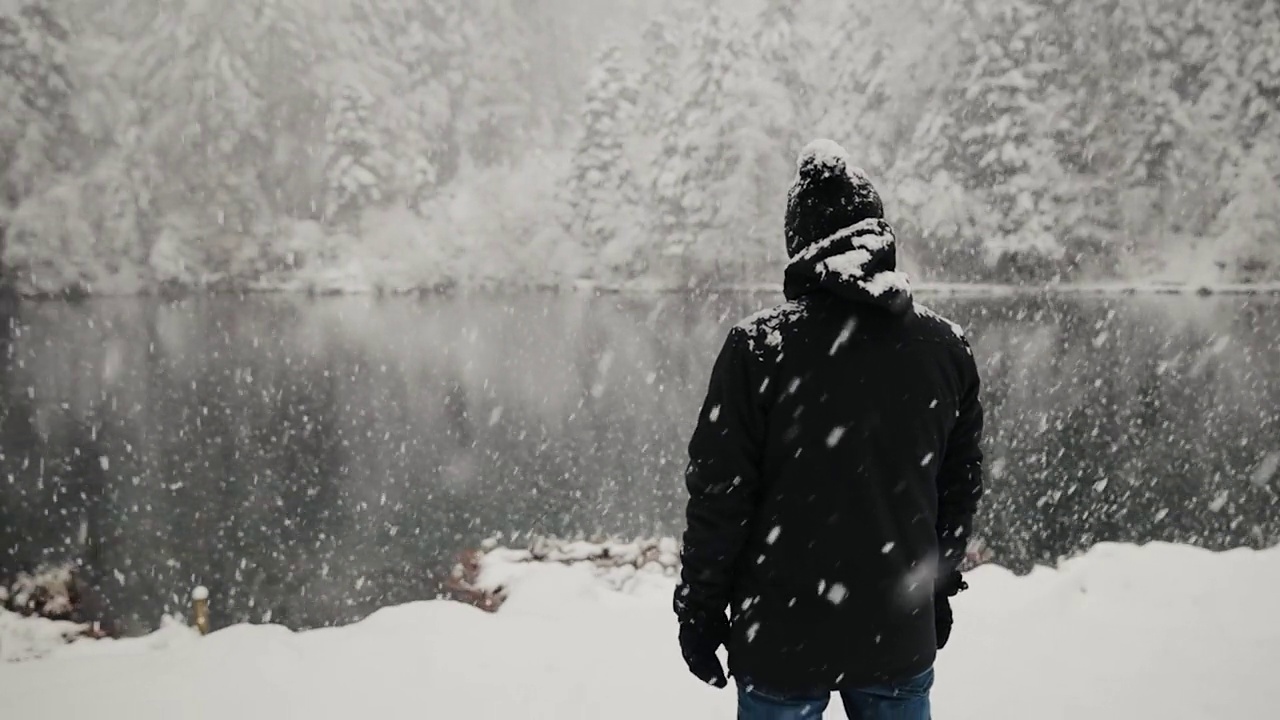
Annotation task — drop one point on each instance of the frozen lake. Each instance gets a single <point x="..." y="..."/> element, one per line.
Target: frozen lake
<point x="313" y="459"/>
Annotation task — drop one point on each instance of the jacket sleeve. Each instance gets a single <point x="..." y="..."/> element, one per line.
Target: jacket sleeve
<point x="723" y="478"/>
<point x="960" y="477"/>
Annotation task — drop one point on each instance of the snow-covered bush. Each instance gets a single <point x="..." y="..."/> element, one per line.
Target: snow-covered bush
<point x="49" y="246"/>
<point x="174" y="260"/>
<point x="1248" y="232"/>
<point x="42" y="610"/>
<point x="492" y="226"/>
<point x="394" y="250"/>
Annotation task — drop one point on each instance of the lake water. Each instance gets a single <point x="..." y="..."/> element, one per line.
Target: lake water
<point x="310" y="460"/>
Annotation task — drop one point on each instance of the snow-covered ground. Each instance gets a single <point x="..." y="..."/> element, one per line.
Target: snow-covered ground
<point x="1124" y="632"/>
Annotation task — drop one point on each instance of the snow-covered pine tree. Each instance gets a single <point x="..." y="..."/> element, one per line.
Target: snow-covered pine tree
<point x="1114" y="131"/>
<point x="855" y="94"/>
<point x="783" y="49"/>
<point x="287" y="45"/>
<point x="561" y="37"/>
<point x="878" y="67"/>
<point x="37" y="144"/>
<point x="12" y="108"/>
<point x="409" y="55"/>
<point x="1259" y="64"/>
<point x="604" y="198"/>
<point x="206" y="122"/>
<point x="36" y="125"/>
<point x="694" y="159"/>
<point x="431" y="50"/>
<point x="1151" y="121"/>
<point x="496" y="110"/>
<point x="986" y="166"/>
<point x="656" y="92"/>
<point x="767" y="118"/>
<point x="722" y="170"/>
<point x="1080" y="85"/>
<point x="658" y="99"/>
<point x="355" y="170"/>
<point x="1186" y="105"/>
<point x="1248" y="225"/>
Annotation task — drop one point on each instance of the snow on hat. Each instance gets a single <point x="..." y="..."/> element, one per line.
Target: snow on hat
<point x="828" y="195"/>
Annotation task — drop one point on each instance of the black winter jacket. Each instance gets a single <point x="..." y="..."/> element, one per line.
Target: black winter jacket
<point x="833" y="475"/>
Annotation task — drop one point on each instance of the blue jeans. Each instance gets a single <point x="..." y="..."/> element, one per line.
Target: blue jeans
<point x="906" y="700"/>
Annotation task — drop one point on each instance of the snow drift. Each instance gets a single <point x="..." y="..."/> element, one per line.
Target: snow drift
<point x="1123" y="632"/>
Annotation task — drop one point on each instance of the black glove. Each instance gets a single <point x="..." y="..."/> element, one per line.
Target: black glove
<point x="701" y="635"/>
<point x="947" y="587"/>
<point x="942" y="619"/>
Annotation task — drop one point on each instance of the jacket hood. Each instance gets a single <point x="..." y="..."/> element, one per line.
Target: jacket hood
<point x="858" y="263"/>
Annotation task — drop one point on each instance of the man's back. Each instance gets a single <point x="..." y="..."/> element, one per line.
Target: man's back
<point x="835" y="577"/>
<point x="835" y="467"/>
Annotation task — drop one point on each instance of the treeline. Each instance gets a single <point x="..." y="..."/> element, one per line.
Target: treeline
<point x="427" y="143"/>
<point x="1024" y="140"/>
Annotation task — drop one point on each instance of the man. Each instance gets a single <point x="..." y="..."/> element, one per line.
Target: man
<point x="833" y="475"/>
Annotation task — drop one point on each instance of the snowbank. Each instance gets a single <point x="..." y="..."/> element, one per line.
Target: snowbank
<point x="28" y="638"/>
<point x="1123" y="632"/>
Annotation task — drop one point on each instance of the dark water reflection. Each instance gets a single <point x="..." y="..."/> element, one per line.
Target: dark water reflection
<point x="311" y="460"/>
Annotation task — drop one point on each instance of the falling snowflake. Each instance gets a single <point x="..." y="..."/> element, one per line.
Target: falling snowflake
<point x="833" y="439"/>
<point x="998" y="468"/>
<point x="1266" y="469"/>
<point x="846" y="332"/>
<point x="1220" y="501"/>
<point x="773" y="535"/>
<point x="837" y="593"/>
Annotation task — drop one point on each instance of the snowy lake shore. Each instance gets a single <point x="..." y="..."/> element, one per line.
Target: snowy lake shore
<point x="340" y="284"/>
<point x="1122" y="632"/>
<point x="434" y="436"/>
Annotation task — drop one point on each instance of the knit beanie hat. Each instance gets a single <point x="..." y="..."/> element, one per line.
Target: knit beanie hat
<point x="828" y="195"/>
